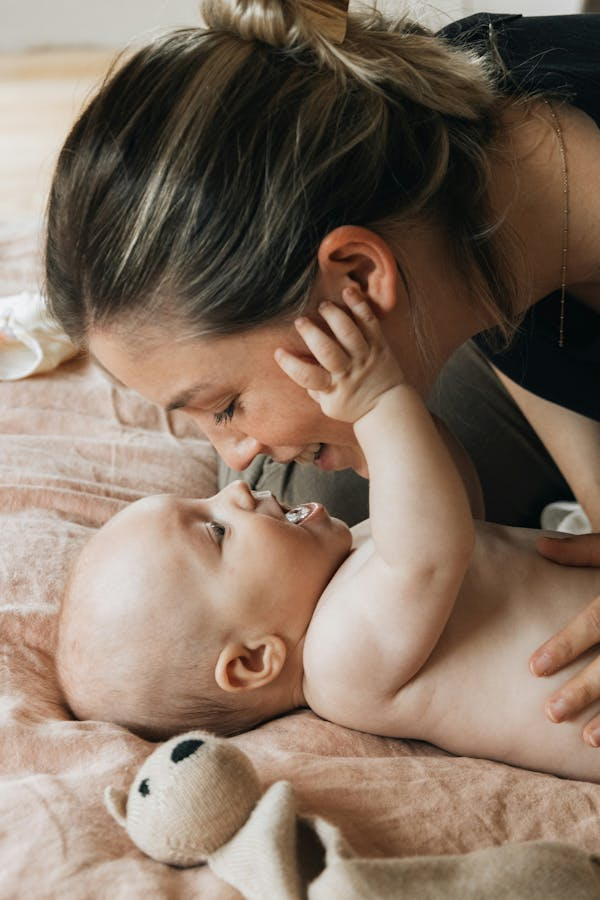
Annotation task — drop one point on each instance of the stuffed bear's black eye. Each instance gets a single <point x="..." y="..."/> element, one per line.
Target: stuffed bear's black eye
<point x="185" y="749"/>
<point x="144" y="787"/>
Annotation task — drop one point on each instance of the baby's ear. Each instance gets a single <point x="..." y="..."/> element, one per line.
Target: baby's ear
<point x="243" y="667"/>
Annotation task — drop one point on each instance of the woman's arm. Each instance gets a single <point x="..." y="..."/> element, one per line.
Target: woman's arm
<point x="573" y="640"/>
<point x="572" y="440"/>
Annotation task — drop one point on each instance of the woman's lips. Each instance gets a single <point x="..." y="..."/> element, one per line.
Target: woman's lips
<point x="309" y="454"/>
<point x="325" y="460"/>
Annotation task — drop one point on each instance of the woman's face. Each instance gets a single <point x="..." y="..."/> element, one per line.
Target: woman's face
<point x="237" y="393"/>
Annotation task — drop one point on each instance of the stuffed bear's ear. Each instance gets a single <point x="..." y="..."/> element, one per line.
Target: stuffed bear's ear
<point x="116" y="803"/>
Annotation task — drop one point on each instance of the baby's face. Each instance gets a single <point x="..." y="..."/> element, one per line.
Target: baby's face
<point x="229" y="562"/>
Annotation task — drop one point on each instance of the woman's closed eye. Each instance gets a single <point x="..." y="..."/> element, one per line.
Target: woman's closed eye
<point x="217" y="530"/>
<point x="225" y="415"/>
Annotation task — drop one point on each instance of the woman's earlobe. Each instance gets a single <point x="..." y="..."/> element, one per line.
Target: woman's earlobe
<point x="244" y="667"/>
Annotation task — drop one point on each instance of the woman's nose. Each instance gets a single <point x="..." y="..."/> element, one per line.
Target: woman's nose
<point x="237" y="451"/>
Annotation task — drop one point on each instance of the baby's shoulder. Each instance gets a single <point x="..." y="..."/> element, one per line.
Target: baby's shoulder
<point x="334" y="626"/>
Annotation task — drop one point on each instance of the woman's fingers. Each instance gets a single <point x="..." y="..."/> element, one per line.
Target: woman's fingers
<point x="591" y="732"/>
<point x="571" y="550"/>
<point x="566" y="645"/>
<point x="582" y="633"/>
<point x="576" y="695"/>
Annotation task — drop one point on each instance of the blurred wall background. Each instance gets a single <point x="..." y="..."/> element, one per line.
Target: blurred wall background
<point x="54" y="52"/>
<point x="26" y="24"/>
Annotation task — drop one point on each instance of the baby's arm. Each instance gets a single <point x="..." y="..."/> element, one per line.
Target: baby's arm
<point x="420" y="518"/>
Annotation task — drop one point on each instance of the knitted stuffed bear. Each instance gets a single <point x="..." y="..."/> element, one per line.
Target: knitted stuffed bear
<point x="197" y="798"/>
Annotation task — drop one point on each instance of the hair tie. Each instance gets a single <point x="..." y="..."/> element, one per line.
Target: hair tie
<point x="328" y="17"/>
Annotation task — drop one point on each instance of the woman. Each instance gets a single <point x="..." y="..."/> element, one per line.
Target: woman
<point x="223" y="181"/>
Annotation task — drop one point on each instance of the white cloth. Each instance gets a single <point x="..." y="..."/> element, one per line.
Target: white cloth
<point x="30" y="341"/>
<point x="565" y="516"/>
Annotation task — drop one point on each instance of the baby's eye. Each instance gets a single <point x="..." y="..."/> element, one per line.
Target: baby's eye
<point x="218" y="531"/>
<point x="226" y="415"/>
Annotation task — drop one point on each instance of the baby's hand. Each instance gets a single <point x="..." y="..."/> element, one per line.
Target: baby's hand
<point x="353" y="368"/>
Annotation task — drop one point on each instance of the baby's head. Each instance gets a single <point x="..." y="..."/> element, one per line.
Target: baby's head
<point x="192" y="613"/>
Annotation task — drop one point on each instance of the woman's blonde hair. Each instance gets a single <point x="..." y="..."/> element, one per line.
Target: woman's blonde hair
<point x="195" y="189"/>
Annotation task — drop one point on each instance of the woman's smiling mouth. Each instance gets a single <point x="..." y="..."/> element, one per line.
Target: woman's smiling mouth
<point x="309" y="454"/>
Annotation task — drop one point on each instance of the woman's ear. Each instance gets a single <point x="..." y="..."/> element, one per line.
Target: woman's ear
<point x="363" y="257"/>
<point x="244" y="667"/>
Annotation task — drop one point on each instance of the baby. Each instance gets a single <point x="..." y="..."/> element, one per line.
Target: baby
<point x="224" y="612"/>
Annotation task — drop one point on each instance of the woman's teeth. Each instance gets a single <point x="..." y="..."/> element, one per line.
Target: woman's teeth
<point x="298" y="514"/>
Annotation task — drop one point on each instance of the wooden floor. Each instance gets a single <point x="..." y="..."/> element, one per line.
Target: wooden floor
<point x="40" y="95"/>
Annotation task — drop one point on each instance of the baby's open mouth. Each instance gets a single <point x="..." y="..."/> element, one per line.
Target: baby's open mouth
<point x="298" y="514"/>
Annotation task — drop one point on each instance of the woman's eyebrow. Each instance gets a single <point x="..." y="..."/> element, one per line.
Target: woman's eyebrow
<point x="178" y="401"/>
<point x="184" y="397"/>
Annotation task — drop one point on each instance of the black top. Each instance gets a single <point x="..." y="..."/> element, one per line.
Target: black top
<point x="559" y="55"/>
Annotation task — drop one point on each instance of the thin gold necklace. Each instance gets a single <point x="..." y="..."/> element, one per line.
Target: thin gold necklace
<point x="565" y="228"/>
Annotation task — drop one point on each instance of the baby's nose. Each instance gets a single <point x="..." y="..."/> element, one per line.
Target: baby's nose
<point x="239" y="493"/>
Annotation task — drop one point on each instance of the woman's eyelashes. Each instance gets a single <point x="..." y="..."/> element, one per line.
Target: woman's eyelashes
<point x="226" y="415"/>
<point x="217" y="530"/>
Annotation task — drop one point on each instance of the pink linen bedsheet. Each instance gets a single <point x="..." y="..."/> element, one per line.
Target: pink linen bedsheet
<point x="74" y="448"/>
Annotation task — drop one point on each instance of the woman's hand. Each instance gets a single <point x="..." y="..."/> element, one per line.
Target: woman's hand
<point x="351" y="367"/>
<point x="573" y="640"/>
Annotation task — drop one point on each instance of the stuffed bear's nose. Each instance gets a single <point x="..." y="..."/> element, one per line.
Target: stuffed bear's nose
<point x="184" y="749"/>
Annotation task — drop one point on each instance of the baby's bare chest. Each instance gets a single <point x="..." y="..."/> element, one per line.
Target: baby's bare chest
<point x="511" y="601"/>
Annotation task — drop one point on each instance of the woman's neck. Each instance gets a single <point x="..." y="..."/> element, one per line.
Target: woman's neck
<point x="553" y="159"/>
<point x="448" y="317"/>
<point x="527" y="193"/>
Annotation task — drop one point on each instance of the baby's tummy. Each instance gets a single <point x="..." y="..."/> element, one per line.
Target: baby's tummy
<point x="498" y="713"/>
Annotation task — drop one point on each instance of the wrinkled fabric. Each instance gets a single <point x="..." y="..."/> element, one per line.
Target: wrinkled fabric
<point x="30" y="341"/>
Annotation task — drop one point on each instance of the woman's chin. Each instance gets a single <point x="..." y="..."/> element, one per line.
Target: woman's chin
<point x="333" y="458"/>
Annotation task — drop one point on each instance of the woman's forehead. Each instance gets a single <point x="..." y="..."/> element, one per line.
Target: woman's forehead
<point x="171" y="370"/>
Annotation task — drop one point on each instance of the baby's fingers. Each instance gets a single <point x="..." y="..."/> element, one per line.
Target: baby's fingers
<point x="346" y="330"/>
<point x="304" y="373"/>
<point x="326" y="350"/>
<point x="360" y="306"/>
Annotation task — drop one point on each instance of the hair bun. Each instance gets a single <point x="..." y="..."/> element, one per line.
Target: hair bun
<point x="280" y="23"/>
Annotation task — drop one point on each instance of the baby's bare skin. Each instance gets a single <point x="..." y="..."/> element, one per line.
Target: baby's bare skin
<point x="426" y="630"/>
<point x="474" y="696"/>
